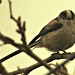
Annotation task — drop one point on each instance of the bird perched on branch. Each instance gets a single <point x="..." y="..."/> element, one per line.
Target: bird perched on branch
<point x="57" y="35"/>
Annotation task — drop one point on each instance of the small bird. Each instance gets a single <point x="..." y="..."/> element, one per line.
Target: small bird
<point x="57" y="35"/>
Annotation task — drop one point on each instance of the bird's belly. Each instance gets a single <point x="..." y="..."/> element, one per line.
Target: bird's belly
<point x="58" y="40"/>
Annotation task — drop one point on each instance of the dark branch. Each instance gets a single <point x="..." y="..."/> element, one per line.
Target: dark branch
<point x="69" y="58"/>
<point x="49" y="59"/>
<point x="11" y="15"/>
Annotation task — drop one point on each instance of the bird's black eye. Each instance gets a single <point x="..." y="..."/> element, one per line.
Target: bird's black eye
<point x="63" y="15"/>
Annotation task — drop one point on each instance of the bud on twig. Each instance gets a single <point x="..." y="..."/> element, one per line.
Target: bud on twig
<point x="24" y="26"/>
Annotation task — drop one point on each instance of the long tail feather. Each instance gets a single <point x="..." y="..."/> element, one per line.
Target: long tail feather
<point x="34" y="40"/>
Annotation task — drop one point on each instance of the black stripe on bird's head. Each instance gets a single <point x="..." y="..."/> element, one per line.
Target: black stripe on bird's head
<point x="67" y="15"/>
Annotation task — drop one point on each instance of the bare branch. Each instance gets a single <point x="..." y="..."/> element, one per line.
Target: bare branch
<point x="21" y="30"/>
<point x="66" y="61"/>
<point x="24" y="46"/>
<point x="49" y="59"/>
<point x="8" y="40"/>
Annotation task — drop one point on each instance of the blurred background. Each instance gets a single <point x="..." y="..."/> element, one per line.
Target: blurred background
<point x="36" y="13"/>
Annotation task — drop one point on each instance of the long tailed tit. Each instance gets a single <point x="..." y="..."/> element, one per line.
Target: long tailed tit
<point x="57" y="35"/>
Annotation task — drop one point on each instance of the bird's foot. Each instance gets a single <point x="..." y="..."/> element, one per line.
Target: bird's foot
<point x="64" y="52"/>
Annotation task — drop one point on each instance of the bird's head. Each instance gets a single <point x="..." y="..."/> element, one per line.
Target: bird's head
<point x="67" y="15"/>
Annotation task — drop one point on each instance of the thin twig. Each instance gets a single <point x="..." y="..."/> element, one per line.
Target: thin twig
<point x="11" y="15"/>
<point x="18" y="22"/>
<point x="21" y="30"/>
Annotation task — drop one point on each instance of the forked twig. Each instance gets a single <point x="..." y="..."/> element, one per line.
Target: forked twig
<point x="24" y="47"/>
<point x="10" y="9"/>
<point x="21" y="30"/>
